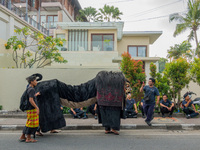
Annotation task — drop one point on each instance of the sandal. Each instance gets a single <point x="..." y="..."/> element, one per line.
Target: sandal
<point x="53" y="131"/>
<point x="107" y="132"/>
<point x="39" y="134"/>
<point x="30" y="141"/>
<point x="115" y="132"/>
<point x="22" y="140"/>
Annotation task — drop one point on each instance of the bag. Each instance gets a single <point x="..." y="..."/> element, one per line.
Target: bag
<point x="147" y="97"/>
<point x="24" y="103"/>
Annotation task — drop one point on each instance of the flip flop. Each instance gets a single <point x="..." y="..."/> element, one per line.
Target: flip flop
<point x="108" y="132"/>
<point x="22" y="140"/>
<point x="54" y="132"/>
<point x="39" y="134"/>
<point x="115" y="132"/>
<point x="31" y="141"/>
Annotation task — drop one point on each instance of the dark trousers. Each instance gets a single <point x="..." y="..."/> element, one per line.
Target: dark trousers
<point x="91" y="110"/>
<point x="190" y="112"/>
<point x="130" y="113"/>
<point x="165" y="110"/>
<point x="142" y="110"/>
<point x="148" y="110"/>
<point x="78" y="113"/>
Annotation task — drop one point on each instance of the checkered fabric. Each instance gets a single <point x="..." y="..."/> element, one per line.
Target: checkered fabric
<point x="32" y="119"/>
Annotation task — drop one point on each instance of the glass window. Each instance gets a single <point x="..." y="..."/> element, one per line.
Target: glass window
<point x="108" y="42"/>
<point x="52" y="20"/>
<point x="103" y="42"/>
<point x="142" y="51"/>
<point x="43" y="20"/>
<point x="62" y="36"/>
<point x="33" y="3"/>
<point x="132" y="51"/>
<point x="97" y="42"/>
<point x="137" y="51"/>
<point x="78" y="40"/>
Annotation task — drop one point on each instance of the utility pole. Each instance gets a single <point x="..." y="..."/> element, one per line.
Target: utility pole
<point x="26" y="17"/>
<point x="39" y="15"/>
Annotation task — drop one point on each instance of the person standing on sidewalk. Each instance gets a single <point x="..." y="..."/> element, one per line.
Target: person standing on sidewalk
<point x="149" y="99"/>
<point x="33" y="114"/>
<point x="187" y="103"/>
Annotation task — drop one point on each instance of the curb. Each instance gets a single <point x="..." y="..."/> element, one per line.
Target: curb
<point x="123" y="126"/>
<point x="23" y="115"/>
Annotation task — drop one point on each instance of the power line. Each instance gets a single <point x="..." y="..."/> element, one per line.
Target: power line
<point x="152" y="10"/>
<point x="153" y="18"/>
<point x="120" y="1"/>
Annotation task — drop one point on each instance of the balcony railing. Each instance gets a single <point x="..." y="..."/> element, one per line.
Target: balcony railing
<point x="22" y="15"/>
<point x="49" y="25"/>
<point x="51" y="1"/>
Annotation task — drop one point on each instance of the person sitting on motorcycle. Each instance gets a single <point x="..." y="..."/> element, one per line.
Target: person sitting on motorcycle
<point x="187" y="103"/>
<point x="166" y="106"/>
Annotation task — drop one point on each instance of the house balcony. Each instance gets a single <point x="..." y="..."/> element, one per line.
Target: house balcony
<point x="51" y="5"/>
<point x="18" y="12"/>
<point x="22" y="4"/>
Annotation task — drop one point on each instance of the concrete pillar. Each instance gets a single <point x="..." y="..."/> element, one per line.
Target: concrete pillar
<point x="10" y="27"/>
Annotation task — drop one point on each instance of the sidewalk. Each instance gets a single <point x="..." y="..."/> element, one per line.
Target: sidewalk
<point x="16" y="121"/>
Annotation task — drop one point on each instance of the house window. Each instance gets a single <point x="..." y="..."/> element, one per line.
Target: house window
<point x="137" y="51"/>
<point x="102" y="42"/>
<point x="43" y="20"/>
<point x="78" y="40"/>
<point x="33" y="3"/>
<point x="52" y="21"/>
<point x="62" y="36"/>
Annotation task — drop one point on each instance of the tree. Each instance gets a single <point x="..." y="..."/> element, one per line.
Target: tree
<point x="161" y="82"/>
<point x="116" y="14"/>
<point x="191" y="21"/>
<point x="195" y="70"/>
<point x="162" y="63"/>
<point x="90" y="14"/>
<point x="45" y="52"/>
<point x="134" y="72"/>
<point x="178" y="76"/>
<point x="110" y="12"/>
<point x="180" y="50"/>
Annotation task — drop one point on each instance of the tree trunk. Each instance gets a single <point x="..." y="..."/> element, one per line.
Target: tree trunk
<point x="197" y="44"/>
<point x="179" y="99"/>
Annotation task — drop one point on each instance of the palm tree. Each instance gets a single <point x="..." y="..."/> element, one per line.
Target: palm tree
<point x="106" y="12"/>
<point x="116" y="14"/>
<point x="89" y="14"/>
<point x="110" y="12"/>
<point x="180" y="50"/>
<point x="191" y="21"/>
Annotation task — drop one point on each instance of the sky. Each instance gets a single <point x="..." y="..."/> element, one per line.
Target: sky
<point x="148" y="15"/>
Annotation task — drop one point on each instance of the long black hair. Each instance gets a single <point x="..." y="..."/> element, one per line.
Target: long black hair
<point x="110" y="80"/>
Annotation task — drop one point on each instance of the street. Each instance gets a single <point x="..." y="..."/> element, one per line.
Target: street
<point x="96" y="139"/>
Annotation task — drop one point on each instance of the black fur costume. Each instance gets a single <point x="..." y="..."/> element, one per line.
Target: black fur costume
<point x="55" y="93"/>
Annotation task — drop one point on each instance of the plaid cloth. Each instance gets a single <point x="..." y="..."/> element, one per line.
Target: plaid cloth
<point x="32" y="119"/>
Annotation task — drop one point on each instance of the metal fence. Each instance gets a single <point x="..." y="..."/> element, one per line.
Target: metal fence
<point x="21" y="14"/>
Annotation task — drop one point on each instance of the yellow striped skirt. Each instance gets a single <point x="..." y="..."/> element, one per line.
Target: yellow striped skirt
<point x="32" y="119"/>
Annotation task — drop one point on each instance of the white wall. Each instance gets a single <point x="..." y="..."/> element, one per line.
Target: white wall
<point x="3" y="34"/>
<point x="13" y="83"/>
<point x="88" y="59"/>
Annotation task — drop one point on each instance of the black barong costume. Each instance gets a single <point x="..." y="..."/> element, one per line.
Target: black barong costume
<point x="110" y="98"/>
<point x="55" y="93"/>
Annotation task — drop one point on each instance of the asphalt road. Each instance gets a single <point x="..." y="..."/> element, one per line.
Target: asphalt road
<point x="97" y="140"/>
